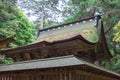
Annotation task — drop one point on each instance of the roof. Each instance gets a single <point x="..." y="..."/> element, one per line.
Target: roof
<point x="84" y="28"/>
<point x="41" y="63"/>
<point x="65" y="61"/>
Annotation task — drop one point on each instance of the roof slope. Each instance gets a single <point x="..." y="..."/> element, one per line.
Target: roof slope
<point x="65" y="61"/>
<point x="85" y="28"/>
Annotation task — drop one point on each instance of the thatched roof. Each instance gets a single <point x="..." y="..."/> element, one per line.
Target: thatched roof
<point x="84" y="28"/>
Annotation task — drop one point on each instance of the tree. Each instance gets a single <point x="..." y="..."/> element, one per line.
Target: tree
<point x="117" y="32"/>
<point x="13" y="22"/>
<point x="113" y="64"/>
<point x="11" y="1"/>
<point x="45" y="10"/>
<point x="81" y="8"/>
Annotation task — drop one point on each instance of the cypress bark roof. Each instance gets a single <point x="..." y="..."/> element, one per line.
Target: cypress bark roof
<point x="85" y="28"/>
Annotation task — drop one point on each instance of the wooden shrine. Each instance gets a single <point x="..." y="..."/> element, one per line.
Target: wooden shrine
<point x="56" y="68"/>
<point x="64" y="52"/>
<point x="79" y="38"/>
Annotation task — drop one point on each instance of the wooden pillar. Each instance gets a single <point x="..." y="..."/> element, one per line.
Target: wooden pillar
<point x="44" y="51"/>
<point x="27" y="56"/>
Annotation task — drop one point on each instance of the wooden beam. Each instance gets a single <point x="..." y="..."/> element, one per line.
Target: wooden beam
<point x="27" y="56"/>
<point x="100" y="77"/>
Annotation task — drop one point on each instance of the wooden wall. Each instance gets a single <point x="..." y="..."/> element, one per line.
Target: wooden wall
<point x="52" y="74"/>
<point x="74" y="47"/>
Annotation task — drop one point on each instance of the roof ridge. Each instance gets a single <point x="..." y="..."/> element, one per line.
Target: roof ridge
<point x="80" y="20"/>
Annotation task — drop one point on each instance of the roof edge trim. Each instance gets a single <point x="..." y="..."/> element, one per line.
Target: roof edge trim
<point x="76" y="37"/>
<point x="80" y="20"/>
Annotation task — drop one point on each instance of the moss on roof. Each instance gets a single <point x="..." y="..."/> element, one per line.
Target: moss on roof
<point x="87" y="30"/>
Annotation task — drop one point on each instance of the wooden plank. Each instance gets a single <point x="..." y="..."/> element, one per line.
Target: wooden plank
<point x="93" y="75"/>
<point x="54" y="74"/>
<point x="27" y="56"/>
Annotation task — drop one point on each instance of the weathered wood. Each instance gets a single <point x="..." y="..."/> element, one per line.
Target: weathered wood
<point x="27" y="56"/>
<point x="56" y="77"/>
<point x="5" y="42"/>
<point x="89" y="74"/>
<point x="53" y="74"/>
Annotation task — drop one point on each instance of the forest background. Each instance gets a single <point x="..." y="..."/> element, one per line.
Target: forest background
<point x="48" y="13"/>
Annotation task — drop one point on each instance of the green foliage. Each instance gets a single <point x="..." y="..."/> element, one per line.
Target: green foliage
<point x="81" y="8"/>
<point x="47" y="24"/>
<point x="93" y="36"/>
<point x="117" y="32"/>
<point x="69" y="19"/>
<point x="13" y="22"/>
<point x="90" y="34"/>
<point x="25" y="30"/>
<point x="113" y="64"/>
<point x="6" y="61"/>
